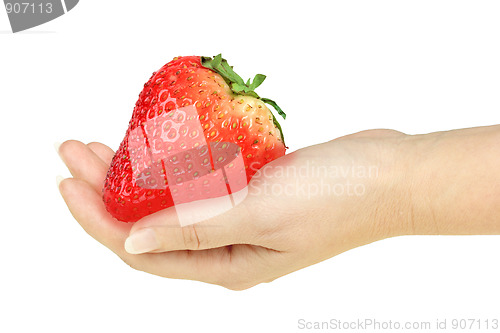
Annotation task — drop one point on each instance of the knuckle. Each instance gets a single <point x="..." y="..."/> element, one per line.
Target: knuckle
<point x="129" y="263"/>
<point x="239" y="278"/>
<point x="190" y="237"/>
<point x="270" y="280"/>
<point x="238" y="285"/>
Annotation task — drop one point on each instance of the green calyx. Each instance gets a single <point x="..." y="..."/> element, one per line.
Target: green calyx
<point x="239" y="86"/>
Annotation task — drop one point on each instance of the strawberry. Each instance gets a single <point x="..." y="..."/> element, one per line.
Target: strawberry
<point x="195" y="119"/>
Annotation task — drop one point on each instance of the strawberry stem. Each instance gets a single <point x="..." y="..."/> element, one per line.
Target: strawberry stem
<point x="239" y="86"/>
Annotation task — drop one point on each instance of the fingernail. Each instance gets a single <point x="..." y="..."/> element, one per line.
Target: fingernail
<point x="56" y="146"/>
<point x="141" y="241"/>
<point x="59" y="179"/>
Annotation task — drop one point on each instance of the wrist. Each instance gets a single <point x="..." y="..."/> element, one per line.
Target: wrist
<point x="451" y="182"/>
<point x="394" y="213"/>
<point x="417" y="182"/>
<point x="403" y="189"/>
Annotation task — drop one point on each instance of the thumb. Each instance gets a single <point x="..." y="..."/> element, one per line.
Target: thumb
<point x="162" y="231"/>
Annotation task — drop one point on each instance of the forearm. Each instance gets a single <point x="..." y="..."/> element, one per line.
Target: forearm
<point x="453" y="182"/>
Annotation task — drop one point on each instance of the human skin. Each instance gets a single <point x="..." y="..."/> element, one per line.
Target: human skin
<point x="377" y="184"/>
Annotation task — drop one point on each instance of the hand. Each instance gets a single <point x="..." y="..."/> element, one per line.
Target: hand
<point x="303" y="208"/>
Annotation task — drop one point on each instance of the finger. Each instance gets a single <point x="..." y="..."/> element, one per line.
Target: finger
<point x="83" y="163"/>
<point x="191" y="265"/>
<point x="161" y="231"/>
<point x="88" y="209"/>
<point x="104" y="152"/>
<point x="236" y="267"/>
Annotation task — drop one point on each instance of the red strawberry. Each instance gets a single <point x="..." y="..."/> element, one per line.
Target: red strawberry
<point x="197" y="131"/>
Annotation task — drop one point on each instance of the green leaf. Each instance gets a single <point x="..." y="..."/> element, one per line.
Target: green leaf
<point x="207" y="62"/>
<point x="231" y="74"/>
<point x="274" y="105"/>
<point x="238" y="85"/>
<point x="257" y="81"/>
<point x="277" y="124"/>
<point x="252" y="93"/>
<point x="217" y="60"/>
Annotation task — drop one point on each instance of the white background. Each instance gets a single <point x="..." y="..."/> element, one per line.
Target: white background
<point x="335" y="67"/>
